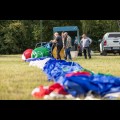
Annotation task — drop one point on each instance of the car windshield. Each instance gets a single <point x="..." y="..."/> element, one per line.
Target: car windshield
<point x="114" y="35"/>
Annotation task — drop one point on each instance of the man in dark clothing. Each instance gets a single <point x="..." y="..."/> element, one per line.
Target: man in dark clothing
<point x="53" y="45"/>
<point x="59" y="44"/>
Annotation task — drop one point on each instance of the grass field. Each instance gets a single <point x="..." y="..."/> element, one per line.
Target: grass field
<point x="17" y="79"/>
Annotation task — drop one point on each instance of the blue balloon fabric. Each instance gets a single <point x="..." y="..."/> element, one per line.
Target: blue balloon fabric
<point x="77" y="85"/>
<point x="100" y="84"/>
<point x="57" y="69"/>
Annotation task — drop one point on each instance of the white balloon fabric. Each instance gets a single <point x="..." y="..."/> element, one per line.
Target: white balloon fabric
<point x="35" y="91"/>
<point x="23" y="57"/>
<point x="39" y="63"/>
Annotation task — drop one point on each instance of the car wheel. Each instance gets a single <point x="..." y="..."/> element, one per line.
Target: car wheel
<point x="104" y="53"/>
<point x="101" y="53"/>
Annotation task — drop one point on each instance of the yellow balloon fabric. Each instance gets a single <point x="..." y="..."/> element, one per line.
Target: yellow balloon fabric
<point x="62" y="54"/>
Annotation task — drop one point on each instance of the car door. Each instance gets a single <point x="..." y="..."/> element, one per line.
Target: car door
<point x="113" y="40"/>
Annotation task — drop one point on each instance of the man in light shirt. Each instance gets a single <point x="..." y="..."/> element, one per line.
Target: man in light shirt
<point x="85" y="42"/>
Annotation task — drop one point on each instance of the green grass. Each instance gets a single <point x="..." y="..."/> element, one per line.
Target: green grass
<point x="17" y="79"/>
<point x="101" y="64"/>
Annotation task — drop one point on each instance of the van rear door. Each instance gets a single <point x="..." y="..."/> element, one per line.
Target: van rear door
<point x="113" y="40"/>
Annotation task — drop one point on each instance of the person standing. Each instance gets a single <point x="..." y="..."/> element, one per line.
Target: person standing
<point x="67" y="46"/>
<point x="62" y="35"/>
<point x="86" y="42"/>
<point x="76" y="43"/>
<point x="58" y="43"/>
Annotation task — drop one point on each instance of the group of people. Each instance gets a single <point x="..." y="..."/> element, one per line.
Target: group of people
<point x="63" y="41"/>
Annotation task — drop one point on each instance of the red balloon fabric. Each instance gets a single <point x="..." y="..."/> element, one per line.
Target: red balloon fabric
<point x="27" y="53"/>
<point x="41" y="91"/>
<point x="78" y="73"/>
<point x="56" y="87"/>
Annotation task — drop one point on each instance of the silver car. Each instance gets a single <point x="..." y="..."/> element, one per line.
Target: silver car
<point x="110" y="43"/>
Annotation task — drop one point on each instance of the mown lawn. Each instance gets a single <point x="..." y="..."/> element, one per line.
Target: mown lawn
<point x="17" y="79"/>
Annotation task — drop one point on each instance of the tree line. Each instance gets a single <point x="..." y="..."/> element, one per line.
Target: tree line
<point x="19" y="35"/>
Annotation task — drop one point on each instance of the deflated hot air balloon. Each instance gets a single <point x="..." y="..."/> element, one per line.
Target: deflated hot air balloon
<point x="40" y="52"/>
<point x="27" y="54"/>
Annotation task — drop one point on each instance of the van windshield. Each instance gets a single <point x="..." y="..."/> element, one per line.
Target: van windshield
<point x="113" y="35"/>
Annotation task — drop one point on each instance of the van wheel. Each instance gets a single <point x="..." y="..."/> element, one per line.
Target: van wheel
<point x="104" y="53"/>
<point x="101" y="53"/>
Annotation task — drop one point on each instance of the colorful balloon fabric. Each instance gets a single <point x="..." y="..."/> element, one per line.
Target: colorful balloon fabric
<point x="76" y="80"/>
<point x="57" y="69"/>
<point x="41" y="91"/>
<point x="62" y="53"/>
<point x="27" y="54"/>
<point x="40" y="52"/>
